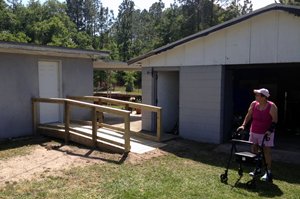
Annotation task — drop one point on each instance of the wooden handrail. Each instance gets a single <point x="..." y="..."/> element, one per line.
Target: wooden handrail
<point x="94" y="107"/>
<point x="116" y="102"/>
<point x="127" y="104"/>
<point x="83" y="105"/>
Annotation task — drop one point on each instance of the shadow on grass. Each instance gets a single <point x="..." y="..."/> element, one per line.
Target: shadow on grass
<point x="56" y="144"/>
<point x="21" y="142"/>
<point x="264" y="189"/>
<point x="87" y="155"/>
<point x="205" y="153"/>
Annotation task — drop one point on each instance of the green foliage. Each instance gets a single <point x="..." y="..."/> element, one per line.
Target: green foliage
<point x="129" y="81"/>
<point x="290" y="2"/>
<point x="104" y="80"/>
<point x="18" y="37"/>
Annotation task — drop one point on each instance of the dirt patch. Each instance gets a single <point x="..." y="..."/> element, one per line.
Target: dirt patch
<point x="52" y="158"/>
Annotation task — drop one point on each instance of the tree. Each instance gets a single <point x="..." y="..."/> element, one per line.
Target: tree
<point x="129" y="81"/>
<point x="124" y="29"/>
<point x="18" y="37"/>
<point x="75" y="10"/>
<point x="4" y="16"/>
<point x="290" y="2"/>
<point x="90" y="8"/>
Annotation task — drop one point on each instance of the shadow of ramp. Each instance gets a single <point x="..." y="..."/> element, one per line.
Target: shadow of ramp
<point x="264" y="189"/>
<point x="7" y="144"/>
<point x="87" y="153"/>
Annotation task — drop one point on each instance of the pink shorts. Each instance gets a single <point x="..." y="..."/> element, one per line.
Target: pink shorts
<point x="258" y="138"/>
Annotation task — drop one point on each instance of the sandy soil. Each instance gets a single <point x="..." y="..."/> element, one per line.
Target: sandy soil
<point x="51" y="159"/>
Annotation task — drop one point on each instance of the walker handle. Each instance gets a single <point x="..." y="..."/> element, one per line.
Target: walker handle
<point x="266" y="137"/>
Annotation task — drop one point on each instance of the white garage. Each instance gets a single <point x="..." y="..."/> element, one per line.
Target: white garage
<point x="203" y="80"/>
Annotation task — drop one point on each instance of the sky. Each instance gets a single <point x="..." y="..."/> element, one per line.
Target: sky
<point x="145" y="4"/>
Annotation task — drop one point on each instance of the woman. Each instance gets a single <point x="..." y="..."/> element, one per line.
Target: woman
<point x="264" y="119"/>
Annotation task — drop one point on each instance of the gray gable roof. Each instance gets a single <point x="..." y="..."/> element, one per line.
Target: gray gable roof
<point x="24" y="48"/>
<point x="290" y="9"/>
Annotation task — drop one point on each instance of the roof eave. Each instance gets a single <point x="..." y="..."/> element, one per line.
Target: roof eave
<point x="21" y="48"/>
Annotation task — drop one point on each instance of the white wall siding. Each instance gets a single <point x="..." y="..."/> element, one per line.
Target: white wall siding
<point x="237" y="44"/>
<point x="264" y="31"/>
<point x="288" y="38"/>
<point x="200" y="103"/>
<point x="175" y="57"/>
<point x="214" y="52"/>
<point x="158" y="60"/>
<point x="194" y="52"/>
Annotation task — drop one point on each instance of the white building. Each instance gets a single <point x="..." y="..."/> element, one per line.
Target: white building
<point x="202" y="80"/>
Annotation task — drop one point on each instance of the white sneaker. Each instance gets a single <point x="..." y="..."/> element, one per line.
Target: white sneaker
<point x="266" y="177"/>
<point x="256" y="172"/>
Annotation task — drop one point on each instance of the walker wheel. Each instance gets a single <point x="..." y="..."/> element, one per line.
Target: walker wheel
<point x="251" y="184"/>
<point x="223" y="178"/>
<point x="240" y="172"/>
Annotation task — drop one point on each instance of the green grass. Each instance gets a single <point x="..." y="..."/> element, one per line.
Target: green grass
<point x="122" y="89"/>
<point x="187" y="173"/>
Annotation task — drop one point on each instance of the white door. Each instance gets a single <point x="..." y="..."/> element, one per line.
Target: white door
<point x="49" y="87"/>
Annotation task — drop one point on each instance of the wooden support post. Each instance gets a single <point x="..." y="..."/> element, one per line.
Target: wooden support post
<point x="67" y="121"/>
<point x="94" y="126"/>
<point x="34" y="117"/>
<point x="159" y="124"/>
<point x="100" y="113"/>
<point x="127" y="107"/>
<point x="127" y="133"/>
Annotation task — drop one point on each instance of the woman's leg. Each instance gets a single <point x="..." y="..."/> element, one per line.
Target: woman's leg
<point x="268" y="157"/>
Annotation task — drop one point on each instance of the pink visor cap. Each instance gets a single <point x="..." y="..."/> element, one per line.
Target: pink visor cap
<point x="263" y="91"/>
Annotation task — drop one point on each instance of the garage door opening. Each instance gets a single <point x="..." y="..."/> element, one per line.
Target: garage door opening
<point x="284" y="86"/>
<point x="167" y="97"/>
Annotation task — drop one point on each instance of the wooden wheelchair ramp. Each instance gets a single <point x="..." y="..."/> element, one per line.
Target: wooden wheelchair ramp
<point x="97" y="131"/>
<point x="106" y="138"/>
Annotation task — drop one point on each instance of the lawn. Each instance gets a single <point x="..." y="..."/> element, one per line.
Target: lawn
<point x="122" y="89"/>
<point x="188" y="170"/>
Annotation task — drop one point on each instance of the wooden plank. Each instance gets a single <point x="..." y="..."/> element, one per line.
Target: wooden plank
<point x="111" y="141"/>
<point x="82" y="104"/>
<point x="121" y="130"/>
<point x="100" y="113"/>
<point x="34" y="117"/>
<point x="98" y="137"/>
<point x="87" y="141"/>
<point x="54" y="126"/>
<point x="117" y="102"/>
<point x="81" y="138"/>
<point x="49" y="100"/>
<point x="127" y="133"/>
<point x="98" y="107"/>
<point x="94" y="125"/>
<point x="159" y="125"/>
<point x="67" y="121"/>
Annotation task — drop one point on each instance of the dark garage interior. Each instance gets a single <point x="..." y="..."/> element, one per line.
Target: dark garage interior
<point x="282" y="80"/>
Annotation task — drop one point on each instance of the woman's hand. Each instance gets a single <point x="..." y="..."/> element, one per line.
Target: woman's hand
<point x="268" y="133"/>
<point x="241" y="128"/>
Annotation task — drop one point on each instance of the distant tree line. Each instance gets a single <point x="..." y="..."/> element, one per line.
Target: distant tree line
<point x="87" y="24"/>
